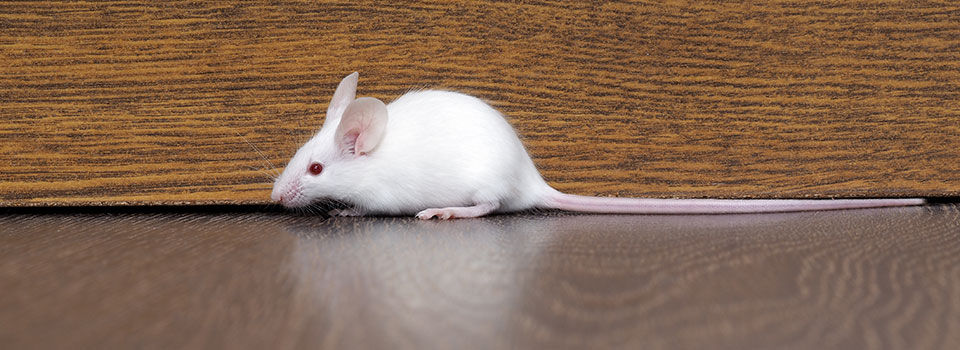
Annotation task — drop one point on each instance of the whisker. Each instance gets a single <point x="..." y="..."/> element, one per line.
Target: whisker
<point x="269" y="175"/>
<point x="318" y="209"/>
<point x="262" y="156"/>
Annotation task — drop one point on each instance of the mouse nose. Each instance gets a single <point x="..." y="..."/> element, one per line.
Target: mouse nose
<point x="286" y="193"/>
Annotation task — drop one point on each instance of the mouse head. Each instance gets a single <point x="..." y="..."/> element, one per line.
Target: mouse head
<point x="326" y="164"/>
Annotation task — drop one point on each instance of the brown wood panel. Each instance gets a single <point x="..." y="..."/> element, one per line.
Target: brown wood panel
<point x="154" y="102"/>
<point x="856" y="279"/>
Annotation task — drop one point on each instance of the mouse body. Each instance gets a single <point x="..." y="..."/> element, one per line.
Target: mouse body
<point x="444" y="154"/>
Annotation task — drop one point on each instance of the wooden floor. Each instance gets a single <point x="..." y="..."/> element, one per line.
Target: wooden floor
<point x="872" y="279"/>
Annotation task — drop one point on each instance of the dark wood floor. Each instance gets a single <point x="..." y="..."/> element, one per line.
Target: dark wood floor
<point x="885" y="278"/>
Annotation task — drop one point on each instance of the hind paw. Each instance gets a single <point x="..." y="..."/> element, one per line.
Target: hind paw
<point x="457" y="212"/>
<point x="442" y="214"/>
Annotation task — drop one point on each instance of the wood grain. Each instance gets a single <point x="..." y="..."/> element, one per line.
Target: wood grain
<point x="125" y="102"/>
<point x="856" y="279"/>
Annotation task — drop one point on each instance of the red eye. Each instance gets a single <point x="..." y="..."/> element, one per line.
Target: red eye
<point x="315" y="168"/>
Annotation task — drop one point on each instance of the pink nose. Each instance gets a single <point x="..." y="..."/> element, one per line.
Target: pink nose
<point x="276" y="197"/>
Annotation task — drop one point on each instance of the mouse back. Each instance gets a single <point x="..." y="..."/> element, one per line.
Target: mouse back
<point x="444" y="148"/>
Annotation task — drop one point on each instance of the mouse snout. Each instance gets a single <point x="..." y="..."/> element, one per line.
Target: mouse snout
<point x="286" y="194"/>
<point x="276" y="195"/>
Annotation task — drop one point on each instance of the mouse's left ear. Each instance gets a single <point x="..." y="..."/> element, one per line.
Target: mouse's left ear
<point x="346" y="92"/>
<point x="361" y="126"/>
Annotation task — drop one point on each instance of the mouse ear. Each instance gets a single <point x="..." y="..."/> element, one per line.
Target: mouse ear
<point x="361" y="126"/>
<point x="346" y="92"/>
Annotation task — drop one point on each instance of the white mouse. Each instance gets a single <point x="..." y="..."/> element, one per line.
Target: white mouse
<point x="443" y="154"/>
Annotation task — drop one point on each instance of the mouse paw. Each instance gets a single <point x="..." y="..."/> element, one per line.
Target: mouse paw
<point x="458" y="212"/>
<point x="442" y="214"/>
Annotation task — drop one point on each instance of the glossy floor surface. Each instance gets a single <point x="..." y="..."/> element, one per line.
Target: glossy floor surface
<point x="872" y="279"/>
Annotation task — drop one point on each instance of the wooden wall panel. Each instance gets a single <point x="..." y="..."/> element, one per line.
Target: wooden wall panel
<point x="115" y="102"/>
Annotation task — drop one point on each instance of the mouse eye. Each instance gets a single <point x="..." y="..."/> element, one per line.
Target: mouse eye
<point x="315" y="168"/>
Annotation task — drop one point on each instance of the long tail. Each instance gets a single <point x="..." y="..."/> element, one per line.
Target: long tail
<point x="571" y="202"/>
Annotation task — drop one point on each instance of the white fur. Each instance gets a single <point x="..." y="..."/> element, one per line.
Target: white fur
<point x="439" y="149"/>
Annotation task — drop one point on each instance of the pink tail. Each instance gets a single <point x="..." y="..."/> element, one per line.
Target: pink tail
<point x="612" y="205"/>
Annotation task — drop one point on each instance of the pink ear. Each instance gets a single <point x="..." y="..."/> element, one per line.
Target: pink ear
<point x="346" y="92"/>
<point x="362" y="125"/>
